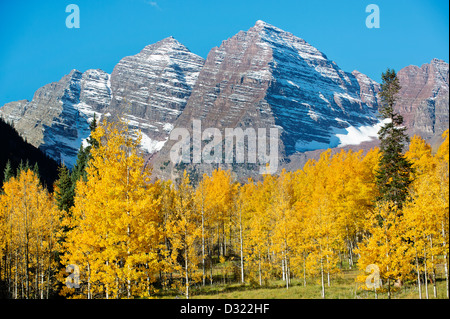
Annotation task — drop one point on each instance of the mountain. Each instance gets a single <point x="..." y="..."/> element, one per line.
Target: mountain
<point x="17" y="151"/>
<point x="148" y="90"/>
<point x="152" y="87"/>
<point x="56" y="120"/>
<point x="268" y="78"/>
<point x="262" y="78"/>
<point x="423" y="99"/>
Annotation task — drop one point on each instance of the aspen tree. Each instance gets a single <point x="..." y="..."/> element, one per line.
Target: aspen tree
<point x="184" y="231"/>
<point x="115" y="233"/>
<point x="30" y="228"/>
<point x="282" y="211"/>
<point x="385" y="246"/>
<point x="428" y="210"/>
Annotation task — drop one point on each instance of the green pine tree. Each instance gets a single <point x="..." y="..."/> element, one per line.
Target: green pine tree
<point x="8" y="172"/>
<point x="36" y="170"/>
<point x="23" y="167"/>
<point x="64" y="193"/>
<point x="394" y="173"/>
<point x="84" y="155"/>
<point x="93" y="126"/>
<point x="78" y="170"/>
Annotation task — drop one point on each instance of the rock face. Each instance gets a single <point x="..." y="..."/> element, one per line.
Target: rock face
<point x="57" y="118"/>
<point x="152" y="87"/>
<point x="266" y="78"/>
<point x="424" y="98"/>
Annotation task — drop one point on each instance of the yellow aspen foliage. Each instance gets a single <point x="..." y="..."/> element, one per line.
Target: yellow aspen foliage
<point x="29" y="233"/>
<point x="351" y="188"/>
<point x="419" y="154"/>
<point x="258" y="243"/>
<point x="386" y="247"/>
<point x="115" y="232"/>
<point x="301" y="246"/>
<point x="427" y="211"/>
<point x="321" y="232"/>
<point x="442" y="176"/>
<point x="167" y="195"/>
<point x="219" y="194"/>
<point x="184" y="231"/>
<point x="282" y="212"/>
<point x="244" y="211"/>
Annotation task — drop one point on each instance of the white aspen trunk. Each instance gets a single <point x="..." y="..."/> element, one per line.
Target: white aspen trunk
<point x="418" y="277"/>
<point x="286" y="271"/>
<point x="22" y="284"/>
<point x="328" y="266"/>
<point x="89" y="296"/>
<point x="322" y="277"/>
<point x="49" y="265"/>
<point x="387" y="258"/>
<point x="350" y="250"/>
<point x="260" y="275"/>
<point x="148" y="279"/>
<point x="389" y="288"/>
<point x="446" y="273"/>
<point x="42" y="283"/>
<point x="219" y="245"/>
<point x="186" y="263"/>
<point x="289" y="271"/>
<point x="128" y="229"/>
<point x="107" y="285"/>
<point x="36" y="276"/>
<point x="304" y="271"/>
<point x="328" y="272"/>
<point x="224" y="239"/>
<point x="186" y="272"/>
<point x="434" y="267"/>
<point x="241" y="242"/>
<point x="203" y="245"/>
<point x="128" y="284"/>
<point x="445" y="258"/>
<point x="47" y="291"/>
<point x="425" y="272"/>
<point x="328" y="278"/>
<point x="351" y="254"/>
<point x="27" y="261"/>
<point x="15" y="276"/>
<point x="230" y="234"/>
<point x="211" y="263"/>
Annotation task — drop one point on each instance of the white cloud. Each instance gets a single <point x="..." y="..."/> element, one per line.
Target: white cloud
<point x="154" y="4"/>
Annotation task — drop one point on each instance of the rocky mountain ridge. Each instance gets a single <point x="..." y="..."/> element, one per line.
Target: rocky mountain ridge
<point x="261" y="78"/>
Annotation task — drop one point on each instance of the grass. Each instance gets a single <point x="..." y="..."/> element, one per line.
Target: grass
<point x="343" y="286"/>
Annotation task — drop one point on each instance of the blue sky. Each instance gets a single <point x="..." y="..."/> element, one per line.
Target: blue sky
<point x="37" y="48"/>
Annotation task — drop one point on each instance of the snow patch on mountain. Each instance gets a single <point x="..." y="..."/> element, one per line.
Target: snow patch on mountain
<point x="150" y="145"/>
<point x="357" y="135"/>
<point x="340" y="137"/>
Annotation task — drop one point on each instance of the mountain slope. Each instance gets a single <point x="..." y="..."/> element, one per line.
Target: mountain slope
<point x="152" y="87"/>
<point x="424" y="98"/>
<point x="16" y="150"/>
<point x="57" y="119"/>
